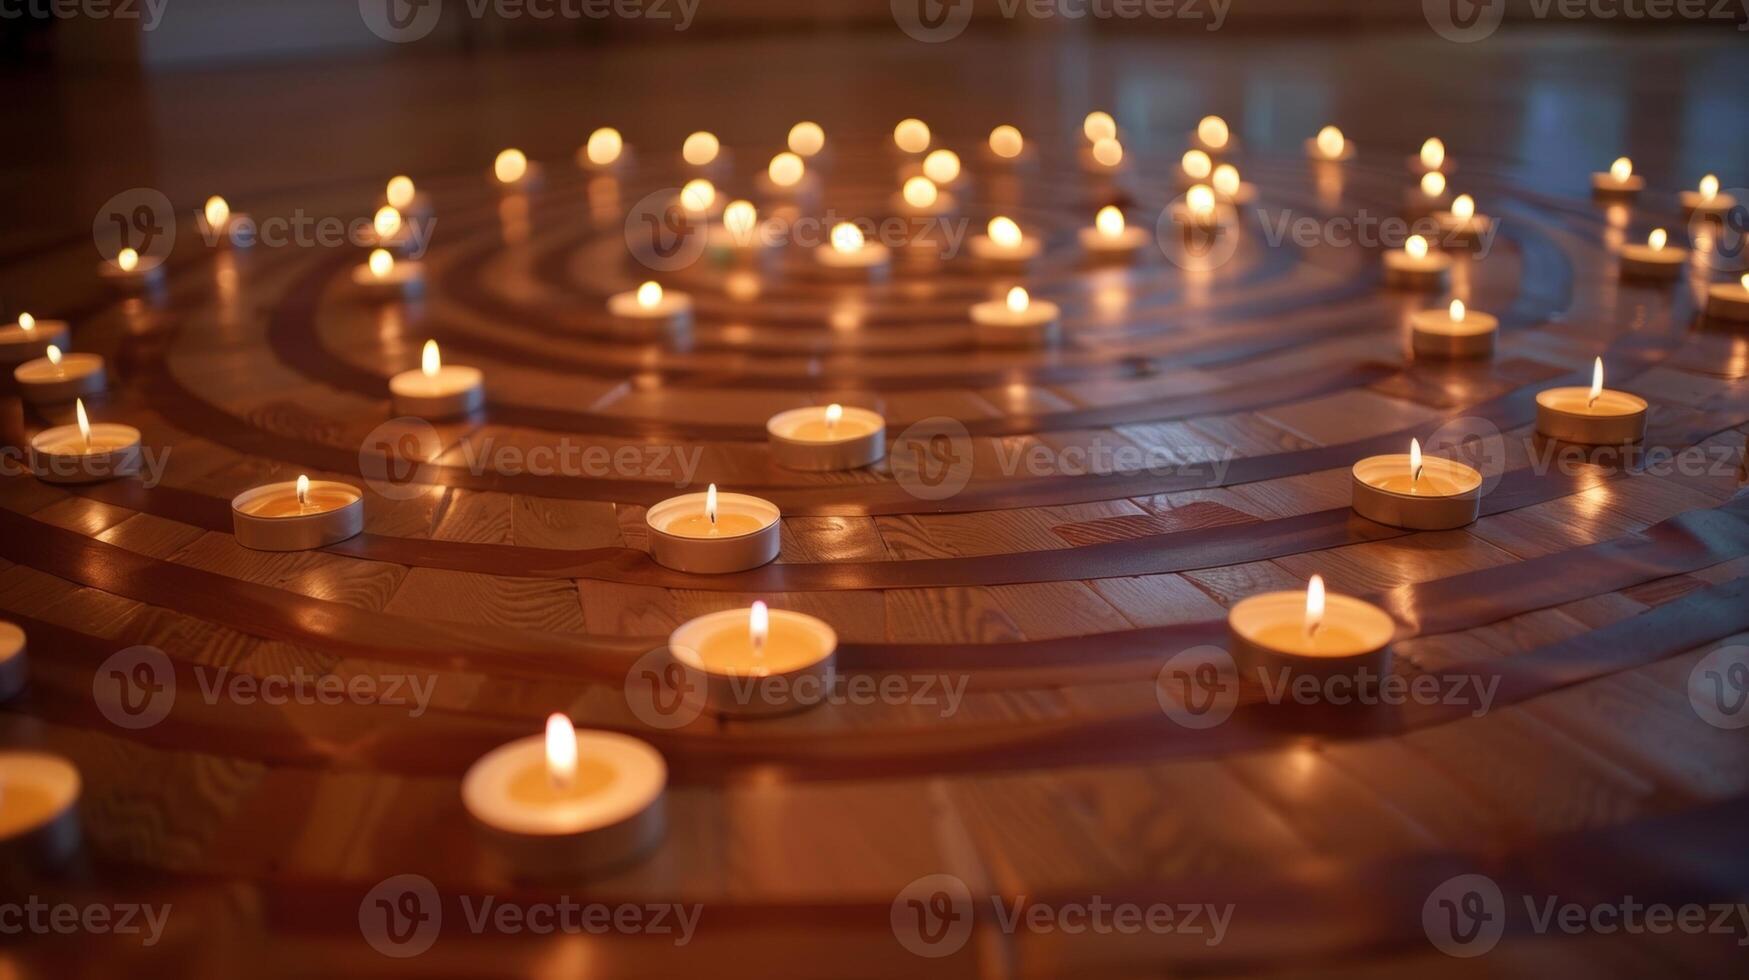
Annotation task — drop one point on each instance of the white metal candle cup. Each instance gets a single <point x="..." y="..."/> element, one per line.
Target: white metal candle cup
<point x="1435" y="335"/>
<point x="1448" y="494"/>
<point x="804" y="438"/>
<point x="871" y="261"/>
<point x="1267" y="634"/>
<point x="1728" y="301"/>
<point x="1606" y="186"/>
<point x="1121" y="247"/>
<point x="672" y="312"/>
<point x="1425" y="273"/>
<point x="39" y="808"/>
<point x="610" y="814"/>
<point x="43" y="382"/>
<point x="400" y="279"/>
<point x="455" y="390"/>
<point x="995" y="324"/>
<point x="749" y="533"/>
<point x="272" y="518"/>
<point x="1694" y="202"/>
<point x="792" y="670"/>
<point x="1462" y="231"/>
<point x="1005" y="256"/>
<point x="62" y="455"/>
<point x="14" y="664"/>
<point x="18" y="345"/>
<point x="1567" y="414"/>
<point x="134" y="279"/>
<point x="1639" y="260"/>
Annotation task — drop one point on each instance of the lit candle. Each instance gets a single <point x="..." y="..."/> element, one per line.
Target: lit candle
<point x="827" y="438"/>
<point x="1214" y="136"/>
<point x="1420" y="493"/>
<point x="296" y="515"/>
<point x="568" y="802"/>
<point x="786" y="175"/>
<point x="604" y="150"/>
<point x="1594" y="416"/>
<point x="919" y="197"/>
<point x="27" y="338"/>
<point x="39" y="808"/>
<point x="1229" y="187"/>
<point x="1015" y="320"/>
<point x="1461" y="223"/>
<point x="56" y="377"/>
<point x="1431" y="157"/>
<point x="713" y="533"/>
<point x="130" y="270"/>
<point x="218" y="222"/>
<point x="1415" y="266"/>
<point x="14" y="663"/>
<point x="1330" y="146"/>
<point x="1111" y="239"/>
<point x="1195" y="167"/>
<point x="1103" y="156"/>
<point x="758" y="662"/>
<point x="1003" y="245"/>
<point x="942" y="167"/>
<point x="437" y="390"/>
<point x="1620" y="181"/>
<point x="1453" y="333"/>
<point x="1006" y="144"/>
<point x="1428" y="196"/>
<point x="700" y="149"/>
<point x="850" y="255"/>
<point x="403" y="195"/>
<point x="650" y="309"/>
<point x="383" y="277"/>
<point x="83" y="452"/>
<point x="699" y="198"/>
<point x="1311" y="633"/>
<point x="512" y="170"/>
<point x="1729" y="300"/>
<point x="806" y="139"/>
<point x="1098" y="125"/>
<point x="740" y="235"/>
<point x="911" y="136"/>
<point x="1706" y="199"/>
<point x="387" y="228"/>
<point x="1200" y="210"/>
<point x="1657" y="259"/>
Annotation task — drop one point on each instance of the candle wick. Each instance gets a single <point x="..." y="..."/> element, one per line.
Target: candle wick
<point x="1416" y="477"/>
<point x="1592" y="401"/>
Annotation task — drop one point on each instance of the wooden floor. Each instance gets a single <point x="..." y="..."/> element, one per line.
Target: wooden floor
<point x="1054" y="598"/>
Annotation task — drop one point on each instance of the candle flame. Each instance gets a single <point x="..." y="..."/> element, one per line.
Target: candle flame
<point x="1457" y="311"/>
<point x="430" y="362"/>
<point x="1213" y="132"/>
<point x="84" y="422"/>
<point x="650" y="295"/>
<point x="604" y="146"/>
<point x="1098" y="126"/>
<point x="561" y="750"/>
<point x="303" y="489"/>
<point x="911" y="135"/>
<point x="1414" y="460"/>
<point x="942" y="166"/>
<point x="387" y="221"/>
<point x="1657" y="238"/>
<point x="698" y="195"/>
<point x="1226" y="180"/>
<point x="1314" y="604"/>
<point x="1109" y="221"/>
<point x="127" y="260"/>
<point x="786" y="169"/>
<point x="1196" y="164"/>
<point x="710" y="504"/>
<point x="1201" y="200"/>
<point x="806" y="138"/>
<point x="700" y="148"/>
<point x="1433" y="183"/>
<point x="381" y="262"/>
<point x="834" y="412"/>
<point x="1433" y="153"/>
<point x="1108" y="152"/>
<point x="26" y="322"/>
<point x="1416" y="246"/>
<point x="510" y="166"/>
<point x="1596" y="382"/>
<point x="1006" y="142"/>
<point x="1004" y="232"/>
<point x="739" y="218"/>
<point x="218" y="213"/>
<point x="758" y="627"/>
<point x="1018" y="300"/>
<point x="400" y="192"/>
<point x="1463" y="207"/>
<point x="1331" y="142"/>
<point x="1621" y="169"/>
<point x="1709" y="187"/>
<point x="53" y="354"/>
<point x="1744" y="282"/>
<point x="846" y="238"/>
<point x="919" y="192"/>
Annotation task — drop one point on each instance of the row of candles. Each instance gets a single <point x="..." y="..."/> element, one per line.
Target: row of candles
<point x="569" y="801"/>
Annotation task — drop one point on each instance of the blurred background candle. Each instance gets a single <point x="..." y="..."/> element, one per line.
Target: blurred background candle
<point x="830" y="437"/>
<point x="1461" y="224"/>
<point x="1006" y="145"/>
<point x="943" y="167"/>
<point x="1430" y="158"/>
<point x="28" y="338"/>
<point x="1415" y="266"/>
<point x="1729" y="300"/>
<point x="568" y="802"/>
<point x="56" y="377"/>
<point x="701" y="149"/>
<point x="405" y="197"/>
<point x="129" y="270"/>
<point x="1453" y="332"/>
<point x="806" y="139"/>
<point x="758" y="661"/>
<point x="1003" y="245"/>
<point x="650" y="308"/>
<point x="604" y="151"/>
<point x="1657" y="259"/>
<point x="919" y="197"/>
<point x="1429" y="196"/>
<point x="513" y="171"/>
<point x="437" y="390"/>
<point x="83" y="452"/>
<point x="39" y="808"/>
<point x="1619" y="181"/>
<point x="740" y="235"/>
<point x="1229" y="187"/>
<point x="911" y="136"/>
<point x="1213" y="136"/>
<point x="850" y="255"/>
<point x="1015" y="320"/>
<point x="297" y="515"/>
<point x="1310" y="633"/>
<point x="1706" y="199"/>
<point x="1098" y="125"/>
<point x="1330" y="146"/>
<point x="1429" y="493"/>
<point x="384" y="277"/>
<point x="1194" y="168"/>
<point x="786" y="176"/>
<point x="1110" y="238"/>
<point x="1594" y="416"/>
<point x="14" y="663"/>
<point x="1200" y="210"/>
<point x="220" y="225"/>
<point x="713" y="532"/>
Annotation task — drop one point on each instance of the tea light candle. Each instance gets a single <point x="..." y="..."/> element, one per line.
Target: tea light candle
<point x="387" y="228"/>
<point x="39" y="808"/>
<point x="1003" y="245"/>
<point x="437" y="390"/>
<point x="1201" y="210"/>
<point x="130" y="271"/>
<point x="14" y="665"/>
<point x="828" y="438"/>
<point x="1415" y="267"/>
<point x="1422" y="494"/>
<point x="85" y="453"/>
<point x="1427" y="197"/>
<point x="28" y="338"/>
<point x="1431" y="157"/>
<point x="297" y="515"/>
<point x="1310" y="633"/>
<point x="1195" y="167"/>
<point x="713" y="533"/>
<point x="1453" y="333"/>
<point x="1110" y="240"/>
<point x="1620" y="181"/>
<point x="919" y="197"/>
<point x="568" y="802"/>
<point x="650" y="308"/>
<point x="943" y="167"/>
<point x="1102" y="156"/>
<point x="405" y="197"/>
<point x="513" y="171"/>
<point x="56" y="377"/>
<point x="786" y="176"/>
<point x="758" y="662"/>
<point x="1594" y="416"/>
<point x="806" y="139"/>
<point x="1015" y="321"/>
<point x="1656" y="259"/>
<point x="911" y="136"/>
<point x="219" y="224"/>
<point x="852" y="256"/>
<point x="1462" y="224"/>
<point x="604" y="151"/>
<point x="1213" y="136"/>
<point x="1330" y="146"/>
<point x="1007" y="147"/>
<point x="1729" y="300"/>
<point x="1098" y="125"/>
<point x="383" y="277"/>
<point x="702" y="150"/>
<point x="1707" y="199"/>
<point x="740" y="237"/>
